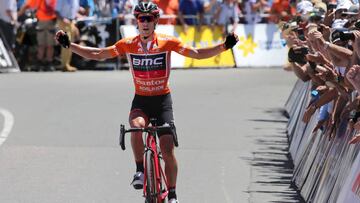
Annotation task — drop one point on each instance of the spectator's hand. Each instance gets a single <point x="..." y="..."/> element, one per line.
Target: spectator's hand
<point x="318" y="125"/>
<point x="357" y="126"/>
<point x="325" y="30"/>
<point x="293" y="40"/>
<point x="322" y="89"/>
<point x="355" y="139"/>
<point x="62" y="38"/>
<point x="309" y="113"/>
<point x="317" y="40"/>
<point x="345" y="113"/>
<point x="329" y="16"/>
<point x="317" y="58"/>
<point x="356" y="45"/>
<point x="322" y="71"/>
<point x="66" y="21"/>
<point x="230" y="41"/>
<point x="353" y="75"/>
<point x="326" y="73"/>
<point x="331" y="126"/>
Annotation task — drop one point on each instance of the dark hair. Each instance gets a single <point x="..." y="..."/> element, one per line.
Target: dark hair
<point x="146" y="7"/>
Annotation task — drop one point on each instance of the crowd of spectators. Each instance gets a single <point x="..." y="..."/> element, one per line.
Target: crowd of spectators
<point x="324" y="49"/>
<point x="62" y="14"/>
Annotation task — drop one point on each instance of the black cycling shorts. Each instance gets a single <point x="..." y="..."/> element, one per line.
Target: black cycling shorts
<point x="158" y="107"/>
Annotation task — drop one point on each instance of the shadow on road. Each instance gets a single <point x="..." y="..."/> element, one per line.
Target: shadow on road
<point x="271" y="164"/>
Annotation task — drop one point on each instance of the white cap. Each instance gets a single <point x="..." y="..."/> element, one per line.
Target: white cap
<point x="346" y="4"/>
<point x="304" y="7"/>
<point x="353" y="10"/>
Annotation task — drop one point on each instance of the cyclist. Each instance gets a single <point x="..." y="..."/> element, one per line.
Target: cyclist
<point x="149" y="58"/>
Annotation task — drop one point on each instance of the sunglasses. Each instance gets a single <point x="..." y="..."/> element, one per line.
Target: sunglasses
<point x="146" y="18"/>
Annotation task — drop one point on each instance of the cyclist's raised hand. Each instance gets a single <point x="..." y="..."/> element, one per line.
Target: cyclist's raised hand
<point x="62" y="38"/>
<point x="230" y="41"/>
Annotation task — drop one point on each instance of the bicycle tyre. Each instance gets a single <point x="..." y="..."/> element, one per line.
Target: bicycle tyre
<point x="151" y="183"/>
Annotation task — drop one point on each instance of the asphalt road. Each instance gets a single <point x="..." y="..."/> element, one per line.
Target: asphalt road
<point x="59" y="136"/>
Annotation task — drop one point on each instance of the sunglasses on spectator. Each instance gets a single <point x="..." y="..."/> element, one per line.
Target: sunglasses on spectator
<point x="146" y="18"/>
<point x="344" y="15"/>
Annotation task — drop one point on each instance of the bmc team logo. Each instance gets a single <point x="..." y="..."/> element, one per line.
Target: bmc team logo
<point x="149" y="62"/>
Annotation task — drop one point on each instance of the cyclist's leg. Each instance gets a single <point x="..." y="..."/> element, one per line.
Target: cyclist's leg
<point x="137" y="119"/>
<point x="171" y="166"/>
<point x="165" y="115"/>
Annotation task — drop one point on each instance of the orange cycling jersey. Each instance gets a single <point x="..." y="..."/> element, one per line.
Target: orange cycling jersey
<point x="150" y="68"/>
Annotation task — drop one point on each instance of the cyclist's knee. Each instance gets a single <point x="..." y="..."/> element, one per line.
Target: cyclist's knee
<point x="137" y="119"/>
<point x="138" y="122"/>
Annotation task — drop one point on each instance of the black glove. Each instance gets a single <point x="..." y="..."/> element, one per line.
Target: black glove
<point x="64" y="40"/>
<point x="230" y="41"/>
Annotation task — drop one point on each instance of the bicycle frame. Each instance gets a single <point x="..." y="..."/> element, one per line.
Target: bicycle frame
<point x="152" y="147"/>
<point x="152" y="154"/>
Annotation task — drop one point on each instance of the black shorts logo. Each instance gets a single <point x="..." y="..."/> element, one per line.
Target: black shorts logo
<point x="148" y="62"/>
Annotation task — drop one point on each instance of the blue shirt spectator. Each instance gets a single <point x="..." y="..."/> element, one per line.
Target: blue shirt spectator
<point x="67" y="8"/>
<point x="20" y="3"/>
<point x="89" y="6"/>
<point x="191" y="7"/>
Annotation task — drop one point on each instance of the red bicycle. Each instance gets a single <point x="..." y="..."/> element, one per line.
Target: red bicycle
<point x="155" y="183"/>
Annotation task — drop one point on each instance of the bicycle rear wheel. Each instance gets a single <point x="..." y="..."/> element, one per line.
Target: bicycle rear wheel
<point x="151" y="181"/>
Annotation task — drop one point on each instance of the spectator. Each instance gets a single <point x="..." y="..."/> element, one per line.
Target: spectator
<point x="329" y="59"/>
<point x="210" y="8"/>
<point x="280" y="11"/>
<point x="104" y="8"/>
<point x="254" y="9"/>
<point x="20" y="3"/>
<point x="190" y="13"/>
<point x="168" y="7"/>
<point x="354" y="75"/>
<point x="341" y="8"/>
<point x="123" y="10"/>
<point x="87" y="7"/>
<point x="66" y="13"/>
<point x="45" y="13"/>
<point x="304" y="7"/>
<point x="8" y="20"/>
<point x="352" y="15"/>
<point x="227" y="13"/>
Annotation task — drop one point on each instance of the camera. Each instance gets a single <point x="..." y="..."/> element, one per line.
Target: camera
<point x="298" y="55"/>
<point x="346" y="35"/>
<point x="301" y="34"/>
<point x="357" y="25"/>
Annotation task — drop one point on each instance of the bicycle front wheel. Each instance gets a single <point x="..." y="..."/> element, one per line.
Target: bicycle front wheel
<point x="151" y="181"/>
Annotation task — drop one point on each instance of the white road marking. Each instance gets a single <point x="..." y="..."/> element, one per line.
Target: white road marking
<point x="8" y="124"/>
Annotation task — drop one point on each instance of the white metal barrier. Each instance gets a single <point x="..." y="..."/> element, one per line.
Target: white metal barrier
<point x="326" y="170"/>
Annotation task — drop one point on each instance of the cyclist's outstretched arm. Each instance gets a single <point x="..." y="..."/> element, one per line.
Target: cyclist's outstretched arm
<point x="84" y="51"/>
<point x="202" y="53"/>
<point x="92" y="52"/>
